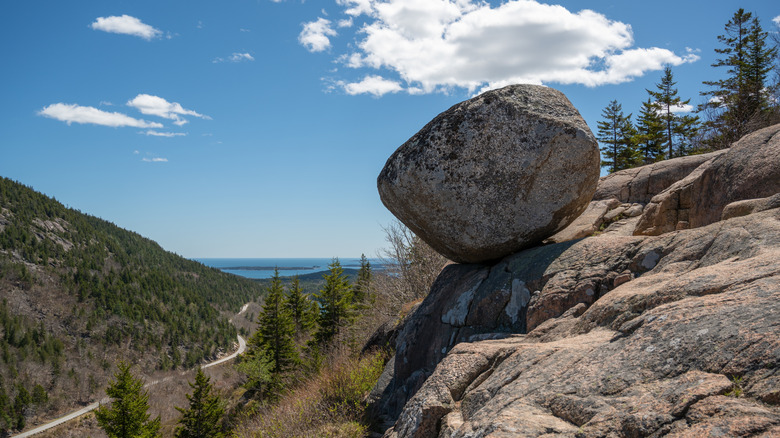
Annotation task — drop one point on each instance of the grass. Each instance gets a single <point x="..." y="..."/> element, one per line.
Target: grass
<point x="329" y="404"/>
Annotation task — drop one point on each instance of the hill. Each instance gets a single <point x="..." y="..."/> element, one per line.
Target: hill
<point x="79" y="293"/>
<point x="311" y="283"/>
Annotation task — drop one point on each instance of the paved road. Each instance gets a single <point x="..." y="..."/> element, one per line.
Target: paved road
<point x="93" y="406"/>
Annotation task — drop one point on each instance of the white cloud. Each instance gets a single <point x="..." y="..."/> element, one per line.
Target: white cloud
<point x="437" y="45"/>
<point x="347" y="22"/>
<point x="682" y="108"/>
<point x="164" y="134"/>
<point x="235" y="57"/>
<point x="245" y="30"/>
<point x="375" y="85"/>
<point x="155" y="160"/>
<point x="314" y="35"/>
<point x="126" y="25"/>
<point x="70" y="113"/>
<point x="157" y="106"/>
<point x="356" y="7"/>
<point x="777" y="20"/>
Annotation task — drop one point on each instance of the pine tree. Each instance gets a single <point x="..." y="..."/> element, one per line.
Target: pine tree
<point x="760" y="63"/>
<point x="302" y="310"/>
<point x="617" y="132"/>
<point x="738" y="103"/>
<point x="276" y="332"/>
<point x="335" y="300"/>
<point x="676" y="126"/>
<point x="127" y="416"/>
<point x="5" y="410"/>
<point x="202" y="418"/>
<point x="362" y="288"/>
<point x="21" y="402"/>
<point x="649" y="137"/>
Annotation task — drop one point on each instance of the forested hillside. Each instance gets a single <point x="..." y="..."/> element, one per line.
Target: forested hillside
<point x="78" y="293"/>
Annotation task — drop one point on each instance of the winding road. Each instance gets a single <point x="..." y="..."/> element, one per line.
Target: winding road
<point x="93" y="406"/>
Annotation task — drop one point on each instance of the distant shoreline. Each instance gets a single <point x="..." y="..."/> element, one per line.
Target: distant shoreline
<point x="268" y="268"/>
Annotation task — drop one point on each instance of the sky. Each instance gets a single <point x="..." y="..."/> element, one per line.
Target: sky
<point x="257" y="128"/>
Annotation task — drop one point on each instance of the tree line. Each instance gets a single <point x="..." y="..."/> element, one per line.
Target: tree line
<point x="294" y="329"/>
<point x="742" y="102"/>
<point x="112" y="291"/>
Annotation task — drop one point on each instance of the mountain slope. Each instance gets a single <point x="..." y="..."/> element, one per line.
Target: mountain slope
<point x="78" y="293"/>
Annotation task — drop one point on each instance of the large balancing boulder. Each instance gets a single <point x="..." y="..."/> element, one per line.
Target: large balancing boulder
<point x="494" y="174"/>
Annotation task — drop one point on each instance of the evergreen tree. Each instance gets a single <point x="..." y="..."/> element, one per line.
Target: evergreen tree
<point x="738" y="104"/>
<point x="21" y="402"/>
<point x="257" y="368"/>
<point x="679" y="127"/>
<point x="202" y="418"/>
<point x="301" y="309"/>
<point x="335" y="300"/>
<point x="362" y="288"/>
<point x="276" y="332"/>
<point x="649" y="137"/>
<point x="616" y="132"/>
<point x="5" y="410"/>
<point x="127" y="416"/>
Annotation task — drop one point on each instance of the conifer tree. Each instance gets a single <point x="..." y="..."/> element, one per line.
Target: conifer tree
<point x="362" y="287"/>
<point x="21" y="402"/>
<point x="676" y="127"/>
<point x="302" y="310"/>
<point x="5" y="409"/>
<point x="127" y="416"/>
<point x="737" y="104"/>
<point x="649" y="133"/>
<point x="276" y="332"/>
<point x="335" y="300"/>
<point x="616" y="132"/>
<point x="202" y="418"/>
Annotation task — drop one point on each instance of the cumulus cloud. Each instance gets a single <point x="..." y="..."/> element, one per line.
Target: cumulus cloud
<point x="438" y="45"/>
<point x="157" y="106"/>
<point x="72" y="113"/>
<point x="127" y="25"/>
<point x="314" y="35"/>
<point x="164" y="134"/>
<point x="235" y="57"/>
<point x="376" y="85"/>
<point x="777" y="20"/>
<point x="682" y="108"/>
<point x="154" y="160"/>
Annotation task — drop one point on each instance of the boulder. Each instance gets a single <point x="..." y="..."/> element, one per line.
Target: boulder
<point x="494" y="174"/>
<point x="749" y="169"/>
<point x="678" y="336"/>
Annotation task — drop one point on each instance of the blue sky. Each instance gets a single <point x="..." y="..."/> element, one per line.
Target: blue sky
<point x="257" y="128"/>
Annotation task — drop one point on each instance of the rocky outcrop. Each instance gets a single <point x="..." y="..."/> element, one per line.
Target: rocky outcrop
<point x="628" y="336"/>
<point x="620" y="197"/>
<point x="750" y="206"/>
<point x="747" y="170"/>
<point x="493" y="175"/>
<point x="664" y="321"/>
<point x="640" y="184"/>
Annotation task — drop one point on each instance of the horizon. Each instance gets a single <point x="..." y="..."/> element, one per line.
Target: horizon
<point x="257" y="129"/>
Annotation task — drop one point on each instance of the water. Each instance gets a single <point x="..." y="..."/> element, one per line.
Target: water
<point x="264" y="267"/>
